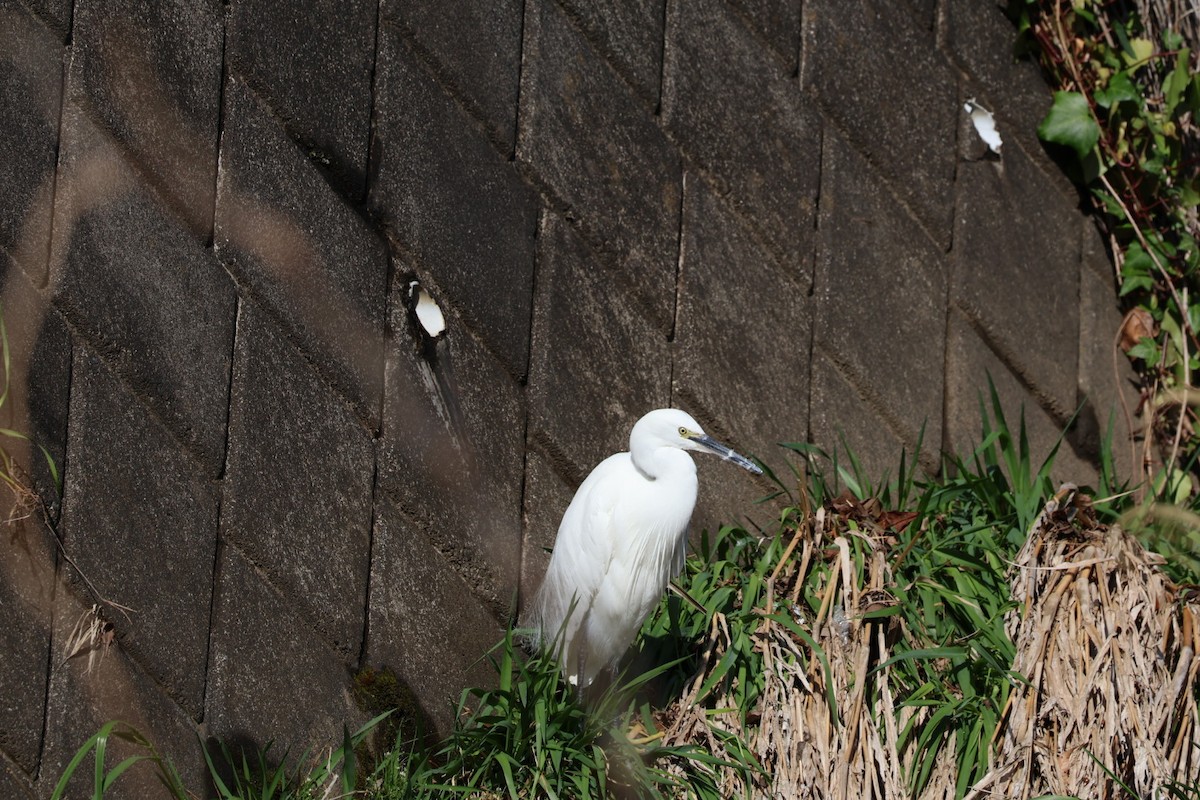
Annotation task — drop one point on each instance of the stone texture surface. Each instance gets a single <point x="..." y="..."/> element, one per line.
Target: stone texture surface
<point x="477" y="50"/>
<point x="269" y="670"/>
<point x="139" y="520"/>
<point x="298" y="482"/>
<point x="451" y="452"/>
<point x="1108" y="393"/>
<point x="293" y="241"/>
<point x="36" y="405"/>
<point x="1037" y="331"/>
<point x="844" y="422"/>
<point x="160" y="312"/>
<point x="739" y="115"/>
<point x="589" y="342"/>
<point x="740" y="352"/>
<point x="778" y="22"/>
<point x="969" y="365"/>
<point x="741" y="347"/>
<point x="547" y="496"/>
<point x="31" y="74"/>
<point x="875" y="73"/>
<point x="1011" y="89"/>
<point x="874" y="265"/>
<point x="39" y="382"/>
<point x="99" y="686"/>
<point x="455" y="206"/>
<point x="27" y="578"/>
<point x="417" y="596"/>
<point x="925" y="12"/>
<point x="14" y="783"/>
<point x="55" y="14"/>
<point x="151" y="73"/>
<point x="629" y="33"/>
<point x="311" y="60"/>
<point x="601" y="153"/>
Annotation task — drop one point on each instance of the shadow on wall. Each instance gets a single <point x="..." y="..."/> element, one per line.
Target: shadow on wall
<point x="152" y="154"/>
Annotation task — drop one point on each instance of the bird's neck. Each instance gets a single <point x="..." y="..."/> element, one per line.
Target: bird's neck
<point x="662" y="462"/>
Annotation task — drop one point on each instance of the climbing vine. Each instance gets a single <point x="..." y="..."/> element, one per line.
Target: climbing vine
<point x="1123" y="125"/>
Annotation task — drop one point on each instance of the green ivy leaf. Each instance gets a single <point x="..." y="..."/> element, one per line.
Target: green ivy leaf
<point x="1070" y="122"/>
<point x="1136" y="283"/>
<point x="1147" y="350"/>
<point x="1119" y="90"/>
<point x="1137" y="261"/>
<point x="1140" y="51"/>
<point x="1192" y="98"/>
<point x="1176" y="83"/>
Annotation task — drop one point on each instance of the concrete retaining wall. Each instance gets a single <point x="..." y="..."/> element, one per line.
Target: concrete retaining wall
<point x="774" y="215"/>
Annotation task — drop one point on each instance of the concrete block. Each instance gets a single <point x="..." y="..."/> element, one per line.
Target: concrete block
<point x="601" y="154"/>
<point x="55" y="14"/>
<point x="547" y="496"/>
<point x="271" y="676"/>
<point x="31" y="73"/>
<point x="741" y="352"/>
<point x="151" y="74"/>
<point x="38" y="380"/>
<point x="1016" y="254"/>
<point x="741" y="343"/>
<point x="980" y="39"/>
<point x="83" y="698"/>
<point x="879" y="76"/>
<point x="141" y="525"/>
<point x="845" y="424"/>
<point x="969" y="364"/>
<point x="455" y="206"/>
<point x="778" y="23"/>
<point x="452" y="453"/>
<point x="736" y="112"/>
<point x="630" y="35"/>
<point x="298" y="484"/>
<point x="27" y="584"/>
<point x="425" y="622"/>
<point x="39" y="377"/>
<point x="1106" y="378"/>
<point x="924" y="12"/>
<point x="143" y="292"/>
<point x="311" y="61"/>
<point x="476" y="48"/>
<point x="880" y="296"/>
<point x="598" y="363"/>
<point x="14" y="782"/>
<point x="295" y="245"/>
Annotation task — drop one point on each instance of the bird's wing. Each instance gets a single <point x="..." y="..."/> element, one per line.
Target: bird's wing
<point x="585" y="535"/>
<point x="583" y="551"/>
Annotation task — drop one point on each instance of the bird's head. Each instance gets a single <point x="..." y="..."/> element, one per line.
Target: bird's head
<point x="670" y="427"/>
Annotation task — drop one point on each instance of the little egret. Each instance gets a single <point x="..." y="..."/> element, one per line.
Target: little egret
<point x="620" y="543"/>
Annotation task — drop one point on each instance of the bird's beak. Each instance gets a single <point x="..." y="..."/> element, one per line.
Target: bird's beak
<point x="715" y="447"/>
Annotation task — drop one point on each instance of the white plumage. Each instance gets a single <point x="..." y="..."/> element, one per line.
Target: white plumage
<point x="621" y="541"/>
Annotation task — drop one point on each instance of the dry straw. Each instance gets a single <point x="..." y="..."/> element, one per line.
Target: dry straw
<point x="1107" y="644"/>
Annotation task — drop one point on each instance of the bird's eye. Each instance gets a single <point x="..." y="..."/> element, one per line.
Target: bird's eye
<point x="683" y="432"/>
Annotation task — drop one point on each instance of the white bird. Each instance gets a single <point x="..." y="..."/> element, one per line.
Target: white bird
<point x="621" y="541"/>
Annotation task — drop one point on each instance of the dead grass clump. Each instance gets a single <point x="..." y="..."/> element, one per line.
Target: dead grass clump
<point x="1107" y="644"/>
<point x="825" y="726"/>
